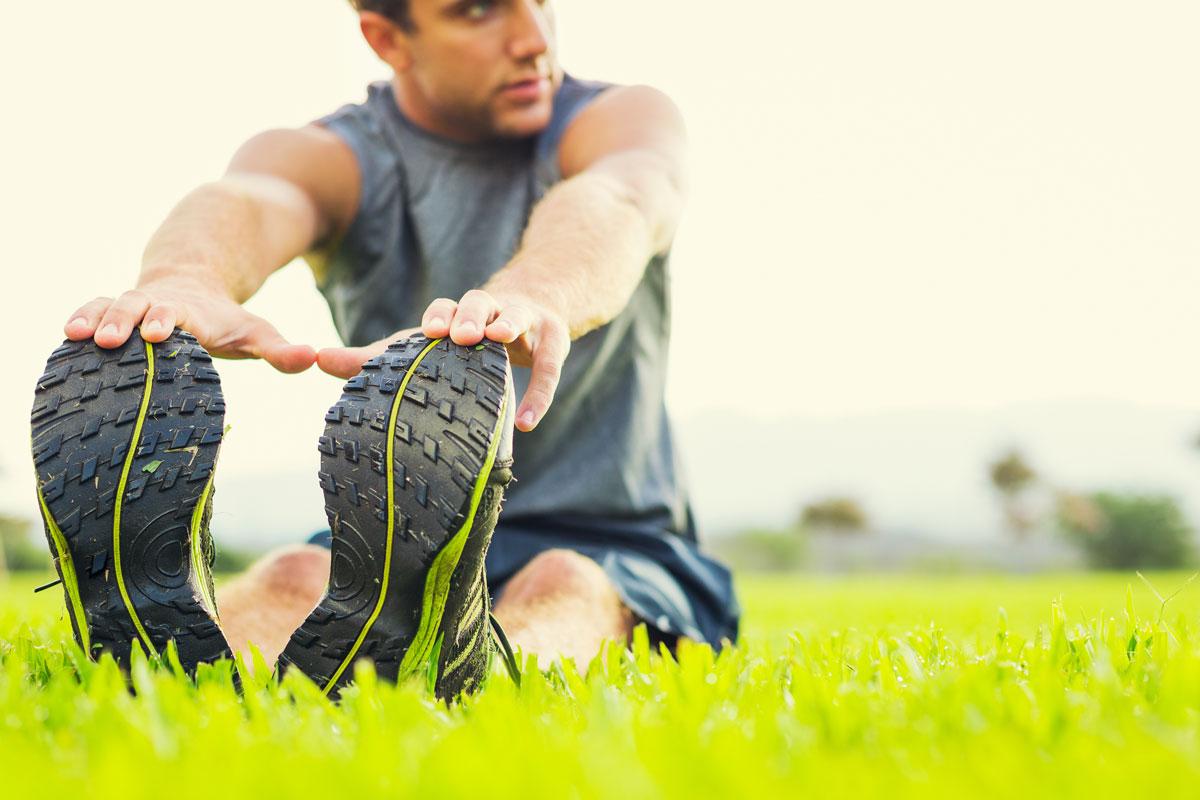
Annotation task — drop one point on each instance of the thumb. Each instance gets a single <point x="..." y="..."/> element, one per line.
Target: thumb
<point x="346" y="362"/>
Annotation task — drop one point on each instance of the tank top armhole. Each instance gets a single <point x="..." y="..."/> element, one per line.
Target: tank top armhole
<point x="360" y="128"/>
<point x="573" y="96"/>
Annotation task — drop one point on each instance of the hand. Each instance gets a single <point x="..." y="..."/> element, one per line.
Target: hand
<point x="222" y="326"/>
<point x="534" y="337"/>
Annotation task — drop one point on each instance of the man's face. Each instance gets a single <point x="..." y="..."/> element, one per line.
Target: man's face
<point x="481" y="69"/>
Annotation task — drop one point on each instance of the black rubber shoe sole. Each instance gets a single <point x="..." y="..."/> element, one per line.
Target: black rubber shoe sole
<point x="124" y="446"/>
<point x="405" y="457"/>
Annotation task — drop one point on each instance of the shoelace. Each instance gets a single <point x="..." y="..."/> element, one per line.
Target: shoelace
<point x="46" y="586"/>
<point x="510" y="660"/>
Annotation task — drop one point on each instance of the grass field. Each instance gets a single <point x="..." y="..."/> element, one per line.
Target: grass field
<point x="865" y="686"/>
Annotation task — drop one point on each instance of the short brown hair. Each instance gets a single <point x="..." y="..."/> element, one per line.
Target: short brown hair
<point x="395" y="10"/>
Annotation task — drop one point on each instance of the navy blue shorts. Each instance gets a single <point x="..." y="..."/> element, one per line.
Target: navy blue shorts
<point x="662" y="577"/>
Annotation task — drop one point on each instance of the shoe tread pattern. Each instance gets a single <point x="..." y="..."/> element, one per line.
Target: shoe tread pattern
<point x="84" y="416"/>
<point x="444" y="426"/>
<point x="465" y="656"/>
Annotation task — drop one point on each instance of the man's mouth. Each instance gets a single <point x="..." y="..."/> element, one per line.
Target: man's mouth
<point x="531" y="88"/>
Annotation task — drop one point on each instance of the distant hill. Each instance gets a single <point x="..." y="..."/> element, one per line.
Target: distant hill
<point x="267" y="509"/>
<point x="918" y="474"/>
<point x="923" y="472"/>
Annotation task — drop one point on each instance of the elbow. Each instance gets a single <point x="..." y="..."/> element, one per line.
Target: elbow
<point x="657" y="199"/>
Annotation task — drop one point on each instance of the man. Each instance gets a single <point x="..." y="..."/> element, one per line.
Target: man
<point x="480" y="196"/>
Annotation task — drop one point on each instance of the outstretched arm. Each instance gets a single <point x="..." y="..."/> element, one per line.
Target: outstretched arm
<point x="284" y="191"/>
<point x="584" y="251"/>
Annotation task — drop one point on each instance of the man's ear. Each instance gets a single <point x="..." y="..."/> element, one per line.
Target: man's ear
<point x="386" y="38"/>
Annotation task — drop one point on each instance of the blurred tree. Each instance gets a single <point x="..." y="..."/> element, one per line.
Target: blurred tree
<point x="839" y="515"/>
<point x="17" y="551"/>
<point x="1126" y="531"/>
<point x="1012" y="477"/>
<point x="1078" y="513"/>
<point x="761" y="550"/>
<point x="1011" y="474"/>
<point x="229" y="560"/>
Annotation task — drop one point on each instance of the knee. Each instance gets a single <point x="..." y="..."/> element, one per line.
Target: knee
<point x="293" y="569"/>
<point x="558" y="572"/>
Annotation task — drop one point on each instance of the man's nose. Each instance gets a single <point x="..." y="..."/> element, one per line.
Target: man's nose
<point x="531" y="31"/>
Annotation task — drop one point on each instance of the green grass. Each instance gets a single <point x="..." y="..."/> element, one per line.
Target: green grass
<point x="865" y="686"/>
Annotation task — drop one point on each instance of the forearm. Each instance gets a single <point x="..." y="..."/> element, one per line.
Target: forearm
<point x="586" y="245"/>
<point x="217" y="247"/>
<point x="227" y="237"/>
<point x="583" y="252"/>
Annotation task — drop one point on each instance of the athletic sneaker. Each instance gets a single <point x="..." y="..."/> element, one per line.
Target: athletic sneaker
<point x="414" y="461"/>
<point x="124" y="446"/>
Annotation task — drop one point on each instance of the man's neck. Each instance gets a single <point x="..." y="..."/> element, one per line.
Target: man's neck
<point x="417" y="109"/>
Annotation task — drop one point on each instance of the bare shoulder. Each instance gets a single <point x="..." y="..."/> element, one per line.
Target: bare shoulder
<point x="305" y="153"/>
<point x="619" y="119"/>
<point x="312" y="159"/>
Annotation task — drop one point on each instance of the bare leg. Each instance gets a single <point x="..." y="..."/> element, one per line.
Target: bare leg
<point x="562" y="603"/>
<point x="267" y="602"/>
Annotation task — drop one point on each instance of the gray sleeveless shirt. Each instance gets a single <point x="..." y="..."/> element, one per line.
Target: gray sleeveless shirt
<point x="437" y="218"/>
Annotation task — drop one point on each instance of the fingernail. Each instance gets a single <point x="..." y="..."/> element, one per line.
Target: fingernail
<point x="78" y="321"/>
<point x="435" y="322"/>
<point x="110" y="330"/>
<point x="153" y="326"/>
<point x="467" y="325"/>
<point x="526" y="418"/>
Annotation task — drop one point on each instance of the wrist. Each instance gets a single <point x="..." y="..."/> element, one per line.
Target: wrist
<point x="521" y="284"/>
<point x="196" y="278"/>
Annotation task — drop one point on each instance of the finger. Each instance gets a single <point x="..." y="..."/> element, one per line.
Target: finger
<point x="436" y="321"/>
<point x="475" y="311"/>
<point x="160" y="321"/>
<point x="346" y="362"/>
<point x="543" y="380"/>
<point x="290" y="358"/>
<point x="117" y="323"/>
<point x="265" y="342"/>
<point x="511" y="323"/>
<point x="83" y="323"/>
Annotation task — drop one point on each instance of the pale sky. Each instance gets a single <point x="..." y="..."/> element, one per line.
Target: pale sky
<point x="894" y="205"/>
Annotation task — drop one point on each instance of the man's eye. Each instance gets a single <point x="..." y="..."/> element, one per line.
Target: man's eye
<point x="477" y="10"/>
